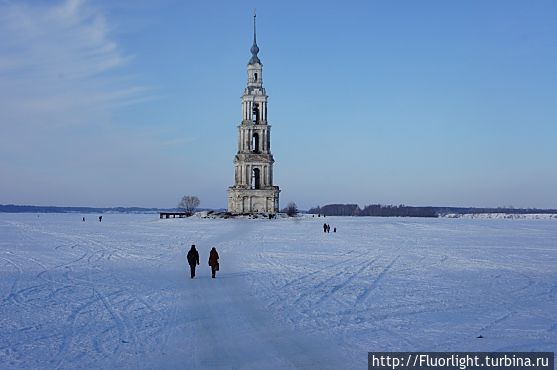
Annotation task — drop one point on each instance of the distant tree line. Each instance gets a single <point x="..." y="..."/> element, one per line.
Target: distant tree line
<point x="328" y="210"/>
<point x="337" y="210"/>
<point x="409" y="211"/>
<point x="12" y="208"/>
<point x="398" y="211"/>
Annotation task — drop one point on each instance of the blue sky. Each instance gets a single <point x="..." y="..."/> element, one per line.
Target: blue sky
<point x="137" y="103"/>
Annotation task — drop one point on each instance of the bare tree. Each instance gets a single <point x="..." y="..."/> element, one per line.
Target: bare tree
<point x="188" y="204"/>
<point x="291" y="209"/>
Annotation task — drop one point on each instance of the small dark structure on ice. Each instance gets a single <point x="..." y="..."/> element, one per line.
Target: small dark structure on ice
<point x="174" y="214"/>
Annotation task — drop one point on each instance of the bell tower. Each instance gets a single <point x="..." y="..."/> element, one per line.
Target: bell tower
<point x="253" y="190"/>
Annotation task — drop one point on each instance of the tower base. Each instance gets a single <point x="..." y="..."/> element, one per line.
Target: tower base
<point x="251" y="201"/>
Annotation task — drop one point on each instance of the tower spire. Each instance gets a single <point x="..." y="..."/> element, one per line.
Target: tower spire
<point x="254" y="48"/>
<point x="254" y="15"/>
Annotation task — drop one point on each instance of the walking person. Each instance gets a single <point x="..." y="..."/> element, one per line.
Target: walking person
<point x="213" y="261"/>
<point x="325" y="227"/>
<point x="193" y="259"/>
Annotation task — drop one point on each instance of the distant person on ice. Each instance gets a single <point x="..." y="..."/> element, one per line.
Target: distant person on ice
<point x="214" y="261"/>
<point x="193" y="259"/>
<point x="100" y="218"/>
<point x="325" y="228"/>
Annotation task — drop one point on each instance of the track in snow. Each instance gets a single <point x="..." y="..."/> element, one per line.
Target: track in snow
<point x="104" y="295"/>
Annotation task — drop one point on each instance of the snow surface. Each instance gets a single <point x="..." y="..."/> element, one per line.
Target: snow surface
<point x="529" y="216"/>
<point x="117" y="294"/>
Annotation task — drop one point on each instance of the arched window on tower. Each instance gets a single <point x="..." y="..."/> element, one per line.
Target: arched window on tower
<point x="255" y="113"/>
<point x="256" y="179"/>
<point x="255" y="77"/>
<point x="255" y="143"/>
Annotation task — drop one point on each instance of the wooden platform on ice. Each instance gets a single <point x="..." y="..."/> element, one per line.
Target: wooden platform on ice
<point x="173" y="214"/>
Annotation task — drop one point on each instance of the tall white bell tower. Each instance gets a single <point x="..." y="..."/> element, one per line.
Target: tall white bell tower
<point x="253" y="190"/>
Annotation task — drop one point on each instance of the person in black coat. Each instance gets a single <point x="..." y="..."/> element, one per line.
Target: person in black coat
<point x="193" y="260"/>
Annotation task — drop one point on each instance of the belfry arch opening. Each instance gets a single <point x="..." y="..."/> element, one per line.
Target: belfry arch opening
<point x="255" y="77"/>
<point x="255" y="143"/>
<point x="256" y="179"/>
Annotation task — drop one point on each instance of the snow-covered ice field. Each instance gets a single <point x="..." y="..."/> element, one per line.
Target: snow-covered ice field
<point x="117" y="294"/>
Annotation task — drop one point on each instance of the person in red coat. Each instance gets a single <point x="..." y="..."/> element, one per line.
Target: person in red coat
<point x="214" y="261"/>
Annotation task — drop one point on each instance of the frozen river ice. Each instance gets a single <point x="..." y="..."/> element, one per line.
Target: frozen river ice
<point x="117" y="294"/>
